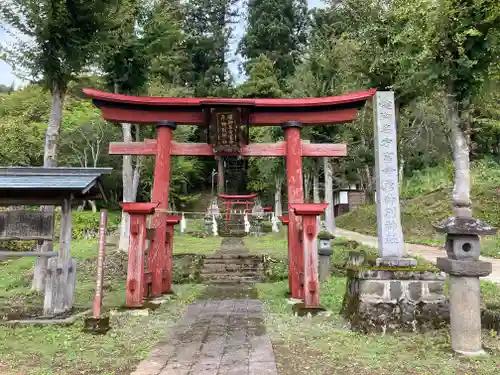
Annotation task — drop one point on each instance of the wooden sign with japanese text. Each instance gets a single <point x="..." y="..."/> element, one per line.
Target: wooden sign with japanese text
<point x="26" y="225"/>
<point x="225" y="130"/>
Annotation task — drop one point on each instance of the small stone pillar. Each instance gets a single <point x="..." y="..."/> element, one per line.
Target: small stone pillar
<point x="138" y="235"/>
<point x="325" y="255"/>
<point x="309" y="212"/>
<point x="465" y="269"/>
<point x="169" y="246"/>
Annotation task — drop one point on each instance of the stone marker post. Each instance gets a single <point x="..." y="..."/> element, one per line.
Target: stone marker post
<point x="390" y="233"/>
<point x="465" y="268"/>
<point x="392" y="293"/>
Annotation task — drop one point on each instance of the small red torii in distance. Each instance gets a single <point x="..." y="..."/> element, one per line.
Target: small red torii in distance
<point x="224" y="119"/>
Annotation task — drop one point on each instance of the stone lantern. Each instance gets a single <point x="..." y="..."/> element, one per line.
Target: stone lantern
<point x="465" y="269"/>
<point x="325" y="254"/>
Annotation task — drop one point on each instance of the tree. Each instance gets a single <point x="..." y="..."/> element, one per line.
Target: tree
<point x="277" y="29"/>
<point x="208" y="29"/>
<point x="263" y="83"/>
<point x="55" y="41"/>
<point x="461" y="38"/>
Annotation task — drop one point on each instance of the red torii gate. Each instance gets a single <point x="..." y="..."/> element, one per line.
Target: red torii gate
<point x="224" y="118"/>
<point x="230" y="200"/>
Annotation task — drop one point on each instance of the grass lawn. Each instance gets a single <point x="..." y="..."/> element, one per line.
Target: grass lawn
<point x="186" y="244"/>
<point x="323" y="346"/>
<point x="51" y="350"/>
<point x="317" y="346"/>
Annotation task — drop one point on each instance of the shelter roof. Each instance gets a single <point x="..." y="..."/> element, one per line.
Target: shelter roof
<point x="37" y="185"/>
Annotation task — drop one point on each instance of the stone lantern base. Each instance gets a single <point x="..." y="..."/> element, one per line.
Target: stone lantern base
<point x="384" y="300"/>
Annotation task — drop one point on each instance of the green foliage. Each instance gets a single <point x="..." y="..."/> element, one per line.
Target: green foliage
<point x="208" y="28"/>
<point x="277" y="29"/>
<point x="262" y="81"/>
<point x="428" y="202"/>
<point x="54" y="39"/>
<point x="86" y="224"/>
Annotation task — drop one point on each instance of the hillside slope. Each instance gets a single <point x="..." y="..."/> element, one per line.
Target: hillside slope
<point x="422" y="205"/>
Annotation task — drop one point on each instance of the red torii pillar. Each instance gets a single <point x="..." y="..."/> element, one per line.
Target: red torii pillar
<point x="161" y="186"/>
<point x="308" y="232"/>
<point x="295" y="195"/>
<point x="169" y="251"/>
<point x="135" y="271"/>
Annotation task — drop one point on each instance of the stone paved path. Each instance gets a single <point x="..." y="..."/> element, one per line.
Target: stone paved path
<point x="216" y="337"/>
<point x="427" y="252"/>
<point x="223" y="333"/>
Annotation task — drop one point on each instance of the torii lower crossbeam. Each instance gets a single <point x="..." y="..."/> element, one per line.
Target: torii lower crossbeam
<point x="149" y="147"/>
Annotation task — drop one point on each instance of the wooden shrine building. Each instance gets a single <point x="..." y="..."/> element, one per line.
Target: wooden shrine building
<point x="226" y="122"/>
<point x="24" y="186"/>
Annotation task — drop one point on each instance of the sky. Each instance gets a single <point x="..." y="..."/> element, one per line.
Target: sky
<point x="7" y="76"/>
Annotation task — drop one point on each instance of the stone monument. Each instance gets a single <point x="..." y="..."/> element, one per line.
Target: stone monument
<point x="390" y="292"/>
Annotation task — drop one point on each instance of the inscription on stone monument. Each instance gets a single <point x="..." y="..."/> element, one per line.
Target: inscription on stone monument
<point x="390" y="234"/>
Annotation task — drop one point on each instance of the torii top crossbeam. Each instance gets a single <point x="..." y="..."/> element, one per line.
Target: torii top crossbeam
<point x="196" y="111"/>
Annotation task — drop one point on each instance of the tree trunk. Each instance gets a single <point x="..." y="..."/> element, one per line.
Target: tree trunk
<point x="49" y="161"/>
<point x="316" y="198"/>
<point x="329" y="213"/>
<point x="278" y="207"/>
<point x="130" y="180"/>
<point x="461" y="190"/>
<point x="307" y="186"/>
<point x="220" y="175"/>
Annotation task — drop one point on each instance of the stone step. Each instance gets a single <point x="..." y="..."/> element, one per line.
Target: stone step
<point x="231" y="268"/>
<point x="211" y="274"/>
<point x="231" y="280"/>
<point x="230" y="258"/>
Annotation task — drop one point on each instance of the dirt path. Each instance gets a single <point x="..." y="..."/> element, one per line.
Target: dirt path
<point x="427" y="252"/>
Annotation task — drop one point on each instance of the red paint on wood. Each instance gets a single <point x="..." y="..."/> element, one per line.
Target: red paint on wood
<point x="132" y="148"/>
<point x="135" y="270"/>
<point x="309" y="208"/>
<point x="148" y="147"/>
<point x="141" y="116"/>
<point x="138" y="208"/>
<point x="309" y="212"/>
<point x="100" y="264"/>
<point x="324" y="149"/>
<point x="326" y="117"/>
<point x="264" y="149"/>
<point x="242" y="196"/>
<point x="259" y="102"/>
<point x="138" y="109"/>
<point x="295" y="195"/>
<point x="160" y="192"/>
<point x="284" y="219"/>
<point x="191" y="149"/>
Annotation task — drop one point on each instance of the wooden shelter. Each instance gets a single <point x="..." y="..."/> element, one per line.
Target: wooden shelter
<point x="47" y="186"/>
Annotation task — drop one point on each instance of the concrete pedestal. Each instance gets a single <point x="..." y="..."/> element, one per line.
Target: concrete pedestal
<point x="410" y="300"/>
<point x="465" y="303"/>
<point x="465" y="315"/>
<point x="324" y="267"/>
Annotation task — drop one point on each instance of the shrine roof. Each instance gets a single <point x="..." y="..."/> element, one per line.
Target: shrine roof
<point x="36" y="185"/>
<point x="359" y="96"/>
